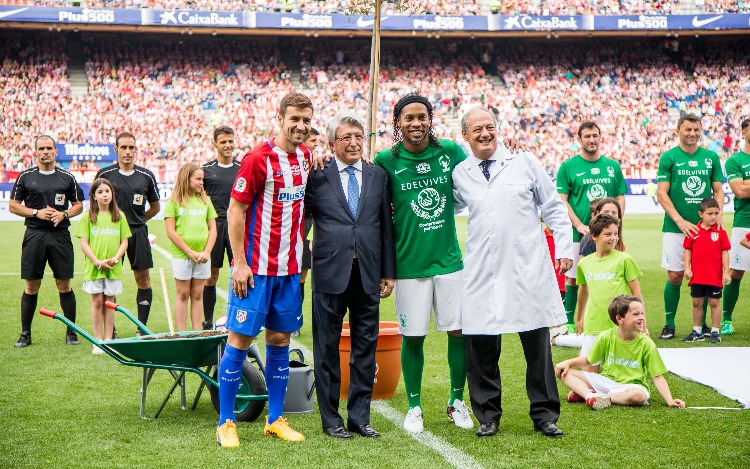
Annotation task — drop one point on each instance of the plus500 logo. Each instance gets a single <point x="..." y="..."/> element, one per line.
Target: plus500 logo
<point x="291" y="194"/>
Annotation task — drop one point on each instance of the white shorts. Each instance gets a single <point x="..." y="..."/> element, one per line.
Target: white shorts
<point x="739" y="256"/>
<point x="672" y="252"/>
<point x="572" y="272"/>
<point x="102" y="285"/>
<point x="606" y="385"/>
<point x="586" y="342"/>
<point x="416" y="298"/>
<point x="186" y="269"/>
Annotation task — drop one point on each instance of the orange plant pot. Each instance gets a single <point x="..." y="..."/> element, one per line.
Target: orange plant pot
<point x="387" y="361"/>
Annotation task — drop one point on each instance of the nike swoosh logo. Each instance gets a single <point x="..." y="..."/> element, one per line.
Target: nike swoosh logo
<point x="299" y="317"/>
<point x="698" y="23"/>
<point x="232" y="372"/>
<point x="399" y="171"/>
<point x="413" y="395"/>
<point x="716" y="292"/>
<point x="363" y="23"/>
<point x="12" y="12"/>
<point x="580" y="174"/>
<point x="679" y="164"/>
<point x="745" y="165"/>
<point x="283" y="369"/>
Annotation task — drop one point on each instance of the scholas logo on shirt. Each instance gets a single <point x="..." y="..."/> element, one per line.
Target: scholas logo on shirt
<point x="290" y="194"/>
<point x="96" y="231"/>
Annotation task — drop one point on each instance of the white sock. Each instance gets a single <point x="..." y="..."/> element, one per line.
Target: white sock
<point x="714" y="329"/>
<point x="698" y="329"/>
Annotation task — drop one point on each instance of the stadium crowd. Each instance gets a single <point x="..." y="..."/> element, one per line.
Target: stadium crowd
<point x="540" y="97"/>
<point x="438" y="7"/>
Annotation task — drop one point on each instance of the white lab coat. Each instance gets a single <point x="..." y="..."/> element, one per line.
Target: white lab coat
<point x="509" y="283"/>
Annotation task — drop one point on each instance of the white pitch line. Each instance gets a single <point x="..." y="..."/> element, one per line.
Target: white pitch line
<point x="453" y="455"/>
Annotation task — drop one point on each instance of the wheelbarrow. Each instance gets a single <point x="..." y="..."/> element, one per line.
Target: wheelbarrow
<point x="179" y="354"/>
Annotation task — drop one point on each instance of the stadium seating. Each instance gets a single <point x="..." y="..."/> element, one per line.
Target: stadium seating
<point x="170" y="93"/>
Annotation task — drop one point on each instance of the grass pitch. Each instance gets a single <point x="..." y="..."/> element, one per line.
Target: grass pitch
<point x="64" y="407"/>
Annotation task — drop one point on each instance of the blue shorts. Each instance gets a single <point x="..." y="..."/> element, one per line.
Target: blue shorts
<point x="275" y="302"/>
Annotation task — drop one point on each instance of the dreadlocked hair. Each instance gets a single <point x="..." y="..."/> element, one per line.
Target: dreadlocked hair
<point x="398" y="136"/>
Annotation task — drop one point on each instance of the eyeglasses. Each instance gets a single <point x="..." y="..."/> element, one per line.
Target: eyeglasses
<point x="359" y="138"/>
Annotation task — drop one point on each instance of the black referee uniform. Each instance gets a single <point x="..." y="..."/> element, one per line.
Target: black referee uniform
<point x="132" y="191"/>
<point x="218" y="181"/>
<point x="43" y="242"/>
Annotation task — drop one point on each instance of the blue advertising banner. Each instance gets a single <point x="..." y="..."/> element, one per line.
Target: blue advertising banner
<point x="70" y="15"/>
<point x="86" y="152"/>
<point x="393" y="23"/>
<point x="192" y="18"/>
<point x="672" y="22"/>
<point x="540" y="23"/>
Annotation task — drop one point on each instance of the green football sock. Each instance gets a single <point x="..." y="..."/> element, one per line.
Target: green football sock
<point x="731" y="295"/>
<point x="571" y="300"/>
<point x="457" y="366"/>
<point x="705" y="310"/>
<point x="671" y="301"/>
<point x="412" y="364"/>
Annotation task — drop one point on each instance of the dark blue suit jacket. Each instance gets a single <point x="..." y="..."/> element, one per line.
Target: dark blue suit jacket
<point x="337" y="235"/>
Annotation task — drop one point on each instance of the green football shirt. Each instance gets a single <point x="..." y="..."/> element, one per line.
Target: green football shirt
<point x="606" y="278"/>
<point x="738" y="166"/>
<point x="423" y="219"/>
<point x="690" y="178"/>
<point x="585" y="181"/>
<point x="104" y="238"/>
<point x="191" y="223"/>
<point x="626" y="362"/>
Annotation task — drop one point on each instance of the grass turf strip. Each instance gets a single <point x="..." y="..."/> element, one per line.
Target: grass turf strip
<point x="63" y="407"/>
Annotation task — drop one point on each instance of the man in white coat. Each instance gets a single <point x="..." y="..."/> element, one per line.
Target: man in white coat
<point x="509" y="283"/>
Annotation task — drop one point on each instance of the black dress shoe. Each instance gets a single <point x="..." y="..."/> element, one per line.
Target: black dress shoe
<point x="487" y="429"/>
<point x="365" y="430"/>
<point x="549" y="429"/>
<point x="337" y="432"/>
<point x="71" y="338"/>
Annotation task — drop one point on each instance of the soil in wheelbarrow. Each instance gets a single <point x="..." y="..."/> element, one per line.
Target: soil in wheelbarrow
<point x="187" y="336"/>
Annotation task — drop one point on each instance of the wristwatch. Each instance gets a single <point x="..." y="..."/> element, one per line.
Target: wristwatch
<point x="65" y="215"/>
<point x="34" y="212"/>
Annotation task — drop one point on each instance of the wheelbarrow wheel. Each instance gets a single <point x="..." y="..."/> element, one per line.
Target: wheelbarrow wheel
<point x="252" y="382"/>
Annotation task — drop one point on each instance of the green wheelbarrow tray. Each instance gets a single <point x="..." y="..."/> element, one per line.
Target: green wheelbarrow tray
<point x="179" y="355"/>
<point x="188" y="351"/>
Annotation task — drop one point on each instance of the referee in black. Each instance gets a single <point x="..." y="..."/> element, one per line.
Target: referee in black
<point x="47" y="197"/>
<point x="218" y="179"/>
<point x="134" y="187"/>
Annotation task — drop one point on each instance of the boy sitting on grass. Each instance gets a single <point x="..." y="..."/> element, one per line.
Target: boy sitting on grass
<point x="624" y="356"/>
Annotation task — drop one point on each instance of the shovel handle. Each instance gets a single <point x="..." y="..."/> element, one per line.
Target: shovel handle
<point x="47" y="312"/>
<point x="111" y="304"/>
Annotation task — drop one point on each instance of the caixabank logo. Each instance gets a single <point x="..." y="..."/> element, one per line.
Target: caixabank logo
<point x="199" y="18"/>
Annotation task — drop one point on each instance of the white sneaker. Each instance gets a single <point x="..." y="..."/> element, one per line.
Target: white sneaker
<point x="97" y="351"/>
<point x="414" y="422"/>
<point x="558" y="331"/>
<point x="459" y="413"/>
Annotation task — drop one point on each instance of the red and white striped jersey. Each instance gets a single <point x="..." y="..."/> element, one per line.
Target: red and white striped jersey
<point x="272" y="182"/>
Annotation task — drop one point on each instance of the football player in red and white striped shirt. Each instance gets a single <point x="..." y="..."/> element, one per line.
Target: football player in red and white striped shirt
<point x="266" y="230"/>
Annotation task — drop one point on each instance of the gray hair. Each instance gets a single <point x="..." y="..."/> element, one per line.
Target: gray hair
<point x="465" y="118"/>
<point x="342" y="118"/>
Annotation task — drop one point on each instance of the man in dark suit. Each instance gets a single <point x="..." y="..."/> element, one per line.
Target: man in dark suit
<point x="353" y="267"/>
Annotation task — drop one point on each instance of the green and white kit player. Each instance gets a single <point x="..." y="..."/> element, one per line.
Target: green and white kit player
<point x="738" y="174"/>
<point x="687" y="174"/>
<point x="582" y="179"/>
<point x="428" y="258"/>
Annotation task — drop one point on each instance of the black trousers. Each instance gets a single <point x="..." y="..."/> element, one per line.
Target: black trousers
<point x="483" y="376"/>
<point x="328" y="315"/>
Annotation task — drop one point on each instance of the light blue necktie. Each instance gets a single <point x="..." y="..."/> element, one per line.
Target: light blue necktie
<point x="353" y="192"/>
<point x="486" y="168"/>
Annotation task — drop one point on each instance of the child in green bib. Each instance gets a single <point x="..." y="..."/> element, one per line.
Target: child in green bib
<point x="191" y="226"/>
<point x="104" y="234"/>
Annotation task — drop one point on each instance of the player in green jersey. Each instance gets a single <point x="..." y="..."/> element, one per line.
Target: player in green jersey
<point x="580" y="180"/>
<point x="738" y="175"/>
<point x="428" y="257"/>
<point x="687" y="174"/>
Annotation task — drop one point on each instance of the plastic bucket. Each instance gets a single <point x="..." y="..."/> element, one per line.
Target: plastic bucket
<point x="301" y="386"/>
<point x="387" y="361"/>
